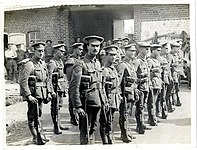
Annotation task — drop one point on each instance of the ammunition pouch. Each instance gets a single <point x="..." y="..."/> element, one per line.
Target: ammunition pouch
<point x="108" y="85"/>
<point x="32" y="84"/>
<point x="55" y="78"/>
<point x="156" y="83"/>
<point x="129" y="81"/>
<point x="143" y="75"/>
<point x="85" y="82"/>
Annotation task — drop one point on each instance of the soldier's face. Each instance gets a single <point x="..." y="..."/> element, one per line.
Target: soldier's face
<point x="60" y="53"/>
<point x="130" y="53"/>
<point x="144" y="51"/>
<point x="93" y="47"/>
<point x="79" y="50"/>
<point x="39" y="53"/>
<point x="111" y="57"/>
<point x="125" y="42"/>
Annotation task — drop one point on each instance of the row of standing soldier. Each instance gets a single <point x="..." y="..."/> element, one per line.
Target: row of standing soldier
<point x="96" y="92"/>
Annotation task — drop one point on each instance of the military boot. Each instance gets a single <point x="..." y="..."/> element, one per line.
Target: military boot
<point x="109" y="137"/>
<point x="91" y="137"/>
<point x="178" y="104"/>
<point x="124" y="136"/>
<point x="33" y="131"/>
<point x="140" y="129"/>
<point x="56" y="128"/>
<point x="103" y="134"/>
<point x="83" y="139"/>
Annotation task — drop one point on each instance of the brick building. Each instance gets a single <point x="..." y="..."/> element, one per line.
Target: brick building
<point x="68" y="22"/>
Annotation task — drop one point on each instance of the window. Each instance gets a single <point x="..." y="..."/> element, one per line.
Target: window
<point x="33" y="37"/>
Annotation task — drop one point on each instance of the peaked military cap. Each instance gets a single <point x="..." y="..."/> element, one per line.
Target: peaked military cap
<point x="76" y="45"/>
<point x="112" y="49"/>
<point x="60" y="47"/>
<point x="10" y="43"/>
<point x="175" y="44"/>
<point x="130" y="47"/>
<point x="163" y="43"/>
<point x="18" y="44"/>
<point x="117" y="40"/>
<point x="125" y="38"/>
<point x="39" y="45"/>
<point x="155" y="46"/>
<point x="179" y="40"/>
<point x="48" y="41"/>
<point x="93" y="37"/>
<point x="143" y="44"/>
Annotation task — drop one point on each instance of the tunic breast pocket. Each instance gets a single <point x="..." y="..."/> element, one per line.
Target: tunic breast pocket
<point x="38" y="74"/>
<point x="60" y="72"/>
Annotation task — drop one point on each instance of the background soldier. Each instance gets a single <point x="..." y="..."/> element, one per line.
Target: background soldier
<point x="127" y="78"/>
<point x="164" y="77"/>
<point x="155" y="76"/>
<point x="125" y="41"/>
<point x="68" y="68"/>
<point x="56" y="65"/>
<point x="36" y="67"/>
<point x="11" y="65"/>
<point x="20" y="57"/>
<point x="177" y="72"/>
<point x="112" y="91"/>
<point x="48" y="55"/>
<point x="143" y="74"/>
<point x="167" y="49"/>
<point x="86" y="89"/>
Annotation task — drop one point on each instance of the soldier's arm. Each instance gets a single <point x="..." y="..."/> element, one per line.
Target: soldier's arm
<point x="75" y="85"/>
<point x="150" y="63"/>
<point x="120" y="70"/>
<point x="24" y="76"/>
<point x="68" y="67"/>
<point x="51" y="68"/>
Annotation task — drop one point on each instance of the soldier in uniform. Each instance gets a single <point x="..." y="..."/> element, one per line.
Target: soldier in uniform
<point x="155" y="77"/>
<point x="20" y="57"/>
<point x="48" y="51"/>
<point x="165" y="81"/>
<point x="56" y="65"/>
<point x="121" y="51"/>
<point x="143" y="74"/>
<point x="125" y="41"/>
<point x="35" y="67"/>
<point x="11" y="65"/>
<point x="177" y="71"/>
<point x="166" y="49"/>
<point x="111" y="85"/>
<point x="87" y="93"/>
<point x="128" y="77"/>
<point x="68" y="67"/>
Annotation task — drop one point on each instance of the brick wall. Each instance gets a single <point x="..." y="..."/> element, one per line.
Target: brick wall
<point x="158" y="13"/>
<point x="51" y="22"/>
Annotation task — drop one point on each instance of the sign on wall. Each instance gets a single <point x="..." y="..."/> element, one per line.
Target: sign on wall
<point x="163" y="27"/>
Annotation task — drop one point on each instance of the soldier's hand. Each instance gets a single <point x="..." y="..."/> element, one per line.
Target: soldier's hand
<point x="32" y="99"/>
<point x="53" y="95"/>
<point x="80" y="112"/>
<point x="49" y="98"/>
<point x="141" y="107"/>
<point x="107" y="107"/>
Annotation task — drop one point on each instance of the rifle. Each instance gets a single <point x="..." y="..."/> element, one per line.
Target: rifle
<point x="124" y="102"/>
<point x="163" y="101"/>
<point x="85" y="82"/>
<point x="108" y="88"/>
<point x="41" y="138"/>
<point x="56" y="101"/>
